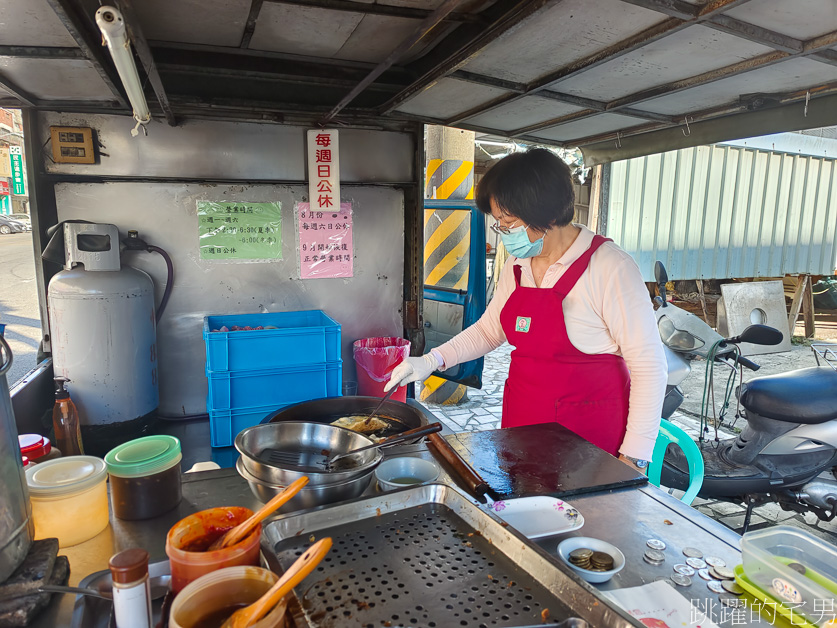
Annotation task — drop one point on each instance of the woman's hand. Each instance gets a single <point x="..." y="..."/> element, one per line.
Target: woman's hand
<point x="412" y="370"/>
<point x="630" y="463"/>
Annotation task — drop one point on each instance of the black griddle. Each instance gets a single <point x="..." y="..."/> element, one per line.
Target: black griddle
<point x="545" y="459"/>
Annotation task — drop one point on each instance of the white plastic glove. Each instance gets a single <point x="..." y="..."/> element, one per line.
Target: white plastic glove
<point x="412" y="370"/>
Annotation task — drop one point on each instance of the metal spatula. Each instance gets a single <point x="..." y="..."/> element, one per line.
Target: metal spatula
<point x="323" y="462"/>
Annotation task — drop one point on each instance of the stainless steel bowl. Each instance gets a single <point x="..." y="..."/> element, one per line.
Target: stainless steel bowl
<point x="310" y="496"/>
<point x="303" y="436"/>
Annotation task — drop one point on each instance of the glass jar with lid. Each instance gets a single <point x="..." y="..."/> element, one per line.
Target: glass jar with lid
<point x="145" y="477"/>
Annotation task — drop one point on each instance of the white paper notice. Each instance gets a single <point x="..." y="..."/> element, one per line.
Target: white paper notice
<point x="324" y="170"/>
<point x="659" y="605"/>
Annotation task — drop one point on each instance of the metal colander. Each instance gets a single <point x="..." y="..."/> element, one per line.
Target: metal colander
<point x="423" y="565"/>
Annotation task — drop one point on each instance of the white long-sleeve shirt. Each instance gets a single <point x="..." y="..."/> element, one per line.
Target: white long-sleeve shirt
<point x="608" y="311"/>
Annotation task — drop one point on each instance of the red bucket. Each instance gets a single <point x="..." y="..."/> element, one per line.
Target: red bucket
<point x="376" y="358"/>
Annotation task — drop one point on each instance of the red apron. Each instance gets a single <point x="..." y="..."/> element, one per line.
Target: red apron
<point x="549" y="379"/>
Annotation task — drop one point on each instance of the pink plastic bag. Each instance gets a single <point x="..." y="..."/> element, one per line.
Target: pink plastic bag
<point x="376" y="358"/>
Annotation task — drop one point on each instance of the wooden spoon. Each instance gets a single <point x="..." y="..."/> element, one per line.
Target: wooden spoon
<point x="240" y="532"/>
<point x="295" y="574"/>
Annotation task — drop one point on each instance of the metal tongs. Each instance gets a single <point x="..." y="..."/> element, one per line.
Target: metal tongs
<point x="326" y="462"/>
<point x="392" y="440"/>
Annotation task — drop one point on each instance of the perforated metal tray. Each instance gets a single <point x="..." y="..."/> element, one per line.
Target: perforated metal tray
<point x="428" y="556"/>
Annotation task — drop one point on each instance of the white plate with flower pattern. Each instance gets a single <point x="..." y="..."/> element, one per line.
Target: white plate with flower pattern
<point x="537" y="517"/>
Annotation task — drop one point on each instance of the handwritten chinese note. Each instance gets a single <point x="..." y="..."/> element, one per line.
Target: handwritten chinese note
<point x="240" y="230"/>
<point x="325" y="242"/>
<point x="323" y="170"/>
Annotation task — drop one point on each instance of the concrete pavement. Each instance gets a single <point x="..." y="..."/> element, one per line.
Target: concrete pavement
<point x="19" y="302"/>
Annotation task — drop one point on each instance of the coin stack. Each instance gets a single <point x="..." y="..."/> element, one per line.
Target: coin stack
<point x="581" y="557"/>
<point x="601" y="561"/>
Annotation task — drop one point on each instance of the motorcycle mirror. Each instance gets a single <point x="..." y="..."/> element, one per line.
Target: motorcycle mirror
<point x="661" y="276"/>
<point x="758" y="335"/>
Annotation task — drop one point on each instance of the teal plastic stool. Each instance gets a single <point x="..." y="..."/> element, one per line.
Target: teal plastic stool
<point x="670" y="433"/>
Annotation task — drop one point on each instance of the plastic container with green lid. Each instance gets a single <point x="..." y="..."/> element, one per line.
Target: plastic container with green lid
<point x="69" y="498"/>
<point x="144" y="477"/>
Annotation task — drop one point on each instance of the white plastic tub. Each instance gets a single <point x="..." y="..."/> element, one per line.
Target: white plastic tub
<point x="69" y="498"/>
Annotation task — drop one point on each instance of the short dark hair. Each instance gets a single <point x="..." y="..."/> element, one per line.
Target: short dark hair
<point x="535" y="186"/>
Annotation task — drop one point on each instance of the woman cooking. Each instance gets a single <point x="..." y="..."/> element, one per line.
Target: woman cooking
<point x="573" y="304"/>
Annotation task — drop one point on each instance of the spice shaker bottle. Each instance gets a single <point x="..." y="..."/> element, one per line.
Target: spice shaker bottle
<point x="131" y="589"/>
<point x="65" y="421"/>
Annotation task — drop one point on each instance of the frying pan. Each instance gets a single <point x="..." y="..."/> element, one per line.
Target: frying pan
<point x="399" y="417"/>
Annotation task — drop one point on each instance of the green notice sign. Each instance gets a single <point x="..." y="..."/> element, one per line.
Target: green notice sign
<point x="240" y="230"/>
<point x="5" y="204"/>
<point x="16" y="158"/>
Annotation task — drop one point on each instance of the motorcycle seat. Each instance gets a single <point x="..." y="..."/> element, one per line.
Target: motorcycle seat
<point x="804" y="396"/>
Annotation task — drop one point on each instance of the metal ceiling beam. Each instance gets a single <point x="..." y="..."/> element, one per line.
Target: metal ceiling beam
<point x="618" y="105"/>
<point x="464" y="44"/>
<point x="237" y="63"/>
<point x="222" y="73"/>
<point x="81" y="106"/>
<point x="756" y="34"/>
<point x="90" y="45"/>
<point x="41" y="52"/>
<point x="366" y="8"/>
<point x="822" y="112"/>
<point x="440" y="122"/>
<point x="826" y="56"/>
<point x="426" y="25"/>
<point x="762" y="102"/>
<point x="619" y="49"/>
<point x="250" y="25"/>
<point x="489" y="81"/>
<point x="532" y="128"/>
<point x="740" y="28"/>
<point x="26" y="99"/>
<point x="259" y="56"/>
<point x="520" y="88"/>
<point x="674" y="8"/>
<point x="146" y="58"/>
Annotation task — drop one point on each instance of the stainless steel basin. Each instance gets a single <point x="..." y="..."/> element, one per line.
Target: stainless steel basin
<point x="300" y="436"/>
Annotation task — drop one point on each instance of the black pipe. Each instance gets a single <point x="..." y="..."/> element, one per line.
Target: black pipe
<point x="169" y="280"/>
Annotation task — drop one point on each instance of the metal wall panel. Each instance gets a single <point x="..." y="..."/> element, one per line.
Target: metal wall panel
<point x="226" y="151"/>
<point x="153" y="183"/>
<point x="715" y="212"/>
<point x="368" y="304"/>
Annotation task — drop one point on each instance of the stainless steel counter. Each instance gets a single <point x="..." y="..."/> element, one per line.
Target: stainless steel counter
<point x="626" y="518"/>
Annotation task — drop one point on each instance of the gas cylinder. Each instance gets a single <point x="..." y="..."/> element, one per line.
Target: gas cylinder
<point x="103" y="335"/>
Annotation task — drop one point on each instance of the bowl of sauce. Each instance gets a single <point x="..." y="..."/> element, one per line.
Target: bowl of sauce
<point x="189" y="539"/>
<point x="211" y="599"/>
<point x="405" y="471"/>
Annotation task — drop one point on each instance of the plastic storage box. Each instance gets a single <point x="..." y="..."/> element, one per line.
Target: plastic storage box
<point x="225" y="425"/>
<point x="306" y="337"/>
<point x="767" y="555"/>
<point x="273" y="387"/>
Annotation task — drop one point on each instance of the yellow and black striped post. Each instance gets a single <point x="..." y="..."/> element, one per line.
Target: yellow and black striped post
<point x="447" y="233"/>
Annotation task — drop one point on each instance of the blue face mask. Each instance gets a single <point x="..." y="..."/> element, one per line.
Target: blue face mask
<point x="517" y="243"/>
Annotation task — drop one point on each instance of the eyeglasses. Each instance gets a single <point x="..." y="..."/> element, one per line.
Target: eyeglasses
<point x="502" y="229"/>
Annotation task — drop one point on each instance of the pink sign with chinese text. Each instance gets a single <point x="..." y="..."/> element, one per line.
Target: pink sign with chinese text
<point x="325" y="242"/>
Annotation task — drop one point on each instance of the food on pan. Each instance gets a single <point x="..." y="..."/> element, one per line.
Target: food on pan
<point x="359" y="423"/>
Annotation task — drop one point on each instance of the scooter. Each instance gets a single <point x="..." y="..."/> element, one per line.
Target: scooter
<point x="787" y="450"/>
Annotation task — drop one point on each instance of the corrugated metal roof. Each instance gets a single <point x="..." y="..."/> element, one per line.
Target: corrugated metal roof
<point x="567" y="72"/>
<point x="716" y="212"/>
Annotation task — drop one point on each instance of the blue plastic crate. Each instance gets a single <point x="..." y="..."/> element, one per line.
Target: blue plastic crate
<point x="246" y="389"/>
<point x="306" y="337"/>
<point x="224" y="425"/>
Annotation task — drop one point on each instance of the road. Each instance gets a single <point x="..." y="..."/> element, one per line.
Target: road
<point x="19" y="302"/>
